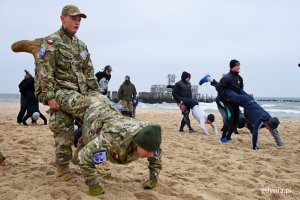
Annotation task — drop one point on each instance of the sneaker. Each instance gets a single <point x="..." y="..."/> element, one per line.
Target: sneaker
<point x="223" y="140"/>
<point x="181" y="130"/>
<point x="205" y="79"/>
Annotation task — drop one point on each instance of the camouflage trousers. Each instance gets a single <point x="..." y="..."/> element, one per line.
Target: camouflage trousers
<point x="61" y="122"/>
<point x="104" y="128"/>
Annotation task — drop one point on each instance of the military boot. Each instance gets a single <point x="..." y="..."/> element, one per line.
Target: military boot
<point x="63" y="172"/>
<point x="29" y="46"/>
<point x="151" y="183"/>
<point x="96" y="190"/>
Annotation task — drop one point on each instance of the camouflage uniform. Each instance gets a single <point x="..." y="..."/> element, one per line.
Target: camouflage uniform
<point x="105" y="129"/>
<point x="64" y="72"/>
<point x="63" y="65"/>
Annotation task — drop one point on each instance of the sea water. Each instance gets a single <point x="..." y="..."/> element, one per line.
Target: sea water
<point x="285" y="108"/>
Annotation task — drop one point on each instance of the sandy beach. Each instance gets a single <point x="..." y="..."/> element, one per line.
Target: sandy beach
<point x="195" y="167"/>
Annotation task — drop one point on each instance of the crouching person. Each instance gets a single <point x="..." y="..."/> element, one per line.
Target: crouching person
<point x="122" y="148"/>
<point x="256" y="117"/>
<point x="113" y="137"/>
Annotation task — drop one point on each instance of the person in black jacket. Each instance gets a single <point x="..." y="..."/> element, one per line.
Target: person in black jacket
<point x="220" y="104"/>
<point x="103" y="79"/>
<point x="231" y="81"/>
<point x="32" y="104"/>
<point x="182" y="94"/>
<point x="23" y="99"/>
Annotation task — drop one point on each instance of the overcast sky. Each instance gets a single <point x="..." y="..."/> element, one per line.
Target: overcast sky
<point x="150" y="39"/>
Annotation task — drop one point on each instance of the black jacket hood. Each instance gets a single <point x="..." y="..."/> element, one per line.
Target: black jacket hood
<point x="185" y="75"/>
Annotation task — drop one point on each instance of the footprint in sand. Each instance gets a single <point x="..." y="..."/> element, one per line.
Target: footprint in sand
<point x="145" y="195"/>
<point x="215" y="195"/>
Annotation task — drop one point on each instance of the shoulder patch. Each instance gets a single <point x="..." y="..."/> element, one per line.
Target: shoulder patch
<point x="84" y="54"/>
<point x="41" y="52"/>
<point x="99" y="157"/>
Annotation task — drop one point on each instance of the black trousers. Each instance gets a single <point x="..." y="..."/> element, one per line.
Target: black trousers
<point x="22" y="109"/>
<point x="185" y="120"/>
<point x="232" y="121"/>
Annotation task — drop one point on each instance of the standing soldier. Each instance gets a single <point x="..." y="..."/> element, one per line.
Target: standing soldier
<point x="126" y="93"/>
<point x="65" y="82"/>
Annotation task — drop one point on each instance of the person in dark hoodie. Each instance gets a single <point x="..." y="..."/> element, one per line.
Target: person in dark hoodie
<point x="32" y="104"/>
<point x="103" y="78"/>
<point x="182" y="93"/>
<point x="126" y="93"/>
<point x="256" y="117"/>
<point x="230" y="81"/>
<point x="23" y="99"/>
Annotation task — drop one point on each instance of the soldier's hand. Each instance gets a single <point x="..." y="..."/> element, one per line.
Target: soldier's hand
<point x="53" y="104"/>
<point x="150" y="184"/>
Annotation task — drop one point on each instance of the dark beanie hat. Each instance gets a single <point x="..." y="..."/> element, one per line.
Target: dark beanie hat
<point x="149" y="137"/>
<point x="233" y="63"/>
<point x="273" y="122"/>
<point x="211" y="117"/>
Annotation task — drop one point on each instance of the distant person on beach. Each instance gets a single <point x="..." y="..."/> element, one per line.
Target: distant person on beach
<point x="182" y="92"/>
<point x="23" y="92"/>
<point x="232" y="81"/>
<point x="256" y="117"/>
<point x="103" y="78"/>
<point x="32" y="104"/>
<point x="65" y="81"/>
<point x="126" y="93"/>
<point x="2" y="160"/>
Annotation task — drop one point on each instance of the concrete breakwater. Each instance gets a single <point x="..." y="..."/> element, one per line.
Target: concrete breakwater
<point x="156" y="97"/>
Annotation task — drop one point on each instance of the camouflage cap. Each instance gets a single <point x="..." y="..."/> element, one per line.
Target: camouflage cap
<point x="71" y="10"/>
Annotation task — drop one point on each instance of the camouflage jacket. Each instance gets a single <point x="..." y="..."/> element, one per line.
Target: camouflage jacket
<point x="63" y="63"/>
<point x="107" y="130"/>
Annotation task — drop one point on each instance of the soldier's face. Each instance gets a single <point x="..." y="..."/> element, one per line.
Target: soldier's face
<point x="143" y="153"/>
<point x="71" y="23"/>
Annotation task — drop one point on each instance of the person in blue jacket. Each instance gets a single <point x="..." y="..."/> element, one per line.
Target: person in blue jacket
<point x="256" y="116"/>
